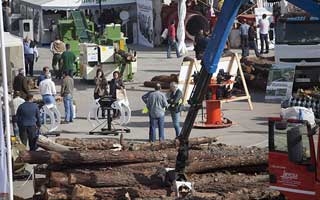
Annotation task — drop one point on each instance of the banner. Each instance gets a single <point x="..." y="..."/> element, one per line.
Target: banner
<point x="4" y="187"/>
<point x="145" y="22"/>
<point x="280" y="83"/>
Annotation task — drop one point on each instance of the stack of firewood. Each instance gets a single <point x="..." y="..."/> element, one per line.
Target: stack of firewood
<point x="164" y="81"/>
<point x="256" y="71"/>
<point x="111" y="169"/>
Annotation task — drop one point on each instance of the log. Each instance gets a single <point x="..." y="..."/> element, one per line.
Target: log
<point x="57" y="193"/>
<point x="156" y="146"/>
<point x="81" y="192"/>
<point x="226" y="163"/>
<point x="50" y="145"/>
<point x="152" y="84"/>
<point x="58" y="179"/>
<point x="89" y="144"/>
<point x="91" y="157"/>
<point x="106" y="144"/>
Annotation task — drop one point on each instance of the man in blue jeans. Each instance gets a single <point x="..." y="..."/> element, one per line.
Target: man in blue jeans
<point x="67" y="94"/>
<point x="175" y="106"/>
<point x="172" y="40"/>
<point x="156" y="104"/>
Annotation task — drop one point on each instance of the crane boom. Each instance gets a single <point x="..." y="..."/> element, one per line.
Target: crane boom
<point x="210" y="62"/>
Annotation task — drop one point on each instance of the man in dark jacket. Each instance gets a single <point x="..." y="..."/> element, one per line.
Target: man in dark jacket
<point x="20" y="84"/>
<point x="252" y="36"/>
<point x="28" y="118"/>
<point x="174" y="102"/>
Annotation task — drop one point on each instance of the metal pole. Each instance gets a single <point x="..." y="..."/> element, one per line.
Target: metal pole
<point x="6" y="106"/>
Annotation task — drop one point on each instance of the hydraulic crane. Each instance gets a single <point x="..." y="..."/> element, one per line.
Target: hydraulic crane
<point x="210" y="61"/>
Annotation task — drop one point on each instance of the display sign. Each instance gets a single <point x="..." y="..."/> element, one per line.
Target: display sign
<point x="145" y="22"/>
<point x="280" y="83"/>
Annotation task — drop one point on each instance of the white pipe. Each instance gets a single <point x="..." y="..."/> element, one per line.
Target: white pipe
<point x="6" y="106"/>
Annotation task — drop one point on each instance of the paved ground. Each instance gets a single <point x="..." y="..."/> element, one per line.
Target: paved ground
<point x="249" y="129"/>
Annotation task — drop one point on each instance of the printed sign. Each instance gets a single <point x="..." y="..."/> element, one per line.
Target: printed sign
<point x="280" y="83"/>
<point x="145" y="22"/>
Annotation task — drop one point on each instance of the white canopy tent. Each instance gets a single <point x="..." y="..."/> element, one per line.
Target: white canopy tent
<point x="72" y="4"/>
<point x="41" y="13"/>
<point x="14" y="55"/>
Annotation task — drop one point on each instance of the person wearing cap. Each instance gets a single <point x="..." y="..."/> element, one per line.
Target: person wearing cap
<point x="156" y="104"/>
<point x="48" y="90"/>
<point x="57" y="47"/>
<point x="174" y="101"/>
<point x="20" y="84"/>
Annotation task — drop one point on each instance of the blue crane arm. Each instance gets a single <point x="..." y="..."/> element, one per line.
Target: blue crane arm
<point x="211" y="58"/>
<point x="220" y="34"/>
<point x="310" y="6"/>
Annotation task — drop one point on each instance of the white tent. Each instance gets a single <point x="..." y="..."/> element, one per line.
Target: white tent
<point x="72" y="4"/>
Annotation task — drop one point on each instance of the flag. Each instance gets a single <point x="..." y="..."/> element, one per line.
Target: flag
<point x="4" y="182"/>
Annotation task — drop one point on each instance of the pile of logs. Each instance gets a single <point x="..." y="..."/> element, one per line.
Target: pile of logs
<point x="256" y="71"/>
<point x="92" y="169"/>
<point x="164" y="81"/>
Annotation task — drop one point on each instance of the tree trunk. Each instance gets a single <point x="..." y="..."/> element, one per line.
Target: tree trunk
<point x="50" y="145"/>
<point x="193" y="142"/>
<point x="58" y="179"/>
<point x="90" y="157"/>
<point x="105" y="193"/>
<point x="89" y="144"/>
<point x="57" y="193"/>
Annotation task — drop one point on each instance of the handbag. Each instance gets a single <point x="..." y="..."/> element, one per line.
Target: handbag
<point x="164" y="34"/>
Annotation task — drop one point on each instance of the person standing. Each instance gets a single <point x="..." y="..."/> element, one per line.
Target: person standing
<point x="156" y="104"/>
<point x="172" y="40"/>
<point x="101" y="88"/>
<point x="15" y="103"/>
<point x="28" y="118"/>
<point x="116" y="84"/>
<point x="20" y="84"/>
<point x="196" y="44"/>
<point x="244" y="31"/>
<point x="57" y="47"/>
<point x="145" y="110"/>
<point x="45" y="71"/>
<point x="48" y="90"/>
<point x="252" y="36"/>
<point x="67" y="94"/>
<point x="174" y="102"/>
<point x="30" y="54"/>
<point x="264" y="30"/>
<point x="68" y="58"/>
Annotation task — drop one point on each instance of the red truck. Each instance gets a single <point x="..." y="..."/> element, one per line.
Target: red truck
<point x="294" y="159"/>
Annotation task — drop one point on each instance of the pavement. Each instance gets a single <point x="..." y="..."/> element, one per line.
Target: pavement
<point x="249" y="127"/>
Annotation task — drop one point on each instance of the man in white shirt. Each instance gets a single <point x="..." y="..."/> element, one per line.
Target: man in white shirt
<point x="48" y="90"/>
<point x="15" y="103"/>
<point x="264" y="25"/>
